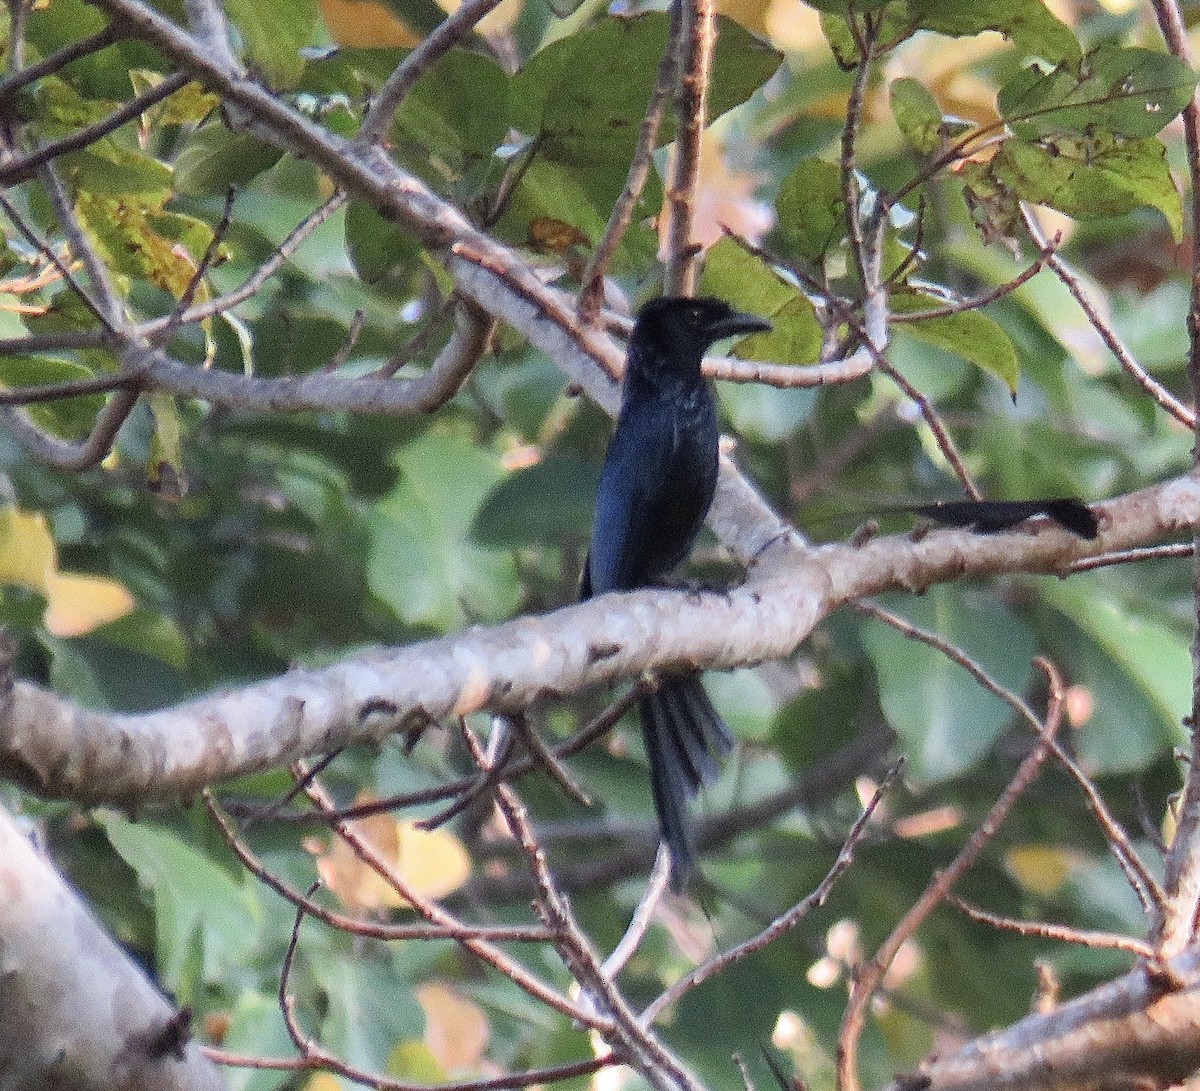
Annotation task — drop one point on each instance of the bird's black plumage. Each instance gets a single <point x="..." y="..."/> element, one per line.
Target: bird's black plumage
<point x="655" y="490"/>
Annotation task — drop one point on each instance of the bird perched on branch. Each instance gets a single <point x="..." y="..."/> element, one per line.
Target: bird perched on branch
<point x="655" y="490"/>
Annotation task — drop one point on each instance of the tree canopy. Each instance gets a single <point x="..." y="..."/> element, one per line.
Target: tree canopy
<point x="311" y="326"/>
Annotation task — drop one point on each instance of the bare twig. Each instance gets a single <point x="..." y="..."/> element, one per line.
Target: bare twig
<point x="870" y="973"/>
<point x="1130" y="556"/>
<point x="1083" y="937"/>
<point x="786" y="921"/>
<point x="47" y="66"/>
<point x="356" y="925"/>
<point x="436" y="914"/>
<point x="657" y="1065"/>
<point x="154" y="329"/>
<point x="1074" y="284"/>
<point x="937" y="426"/>
<point x="1149" y="893"/>
<point x="591" y="298"/>
<point x="19" y="170"/>
<point x="378" y="118"/>
<point x="697" y="40"/>
<point x="1179" y="923"/>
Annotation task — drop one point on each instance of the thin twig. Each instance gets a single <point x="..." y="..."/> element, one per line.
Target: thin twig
<point x="1144" y="885"/>
<point x="657" y="1065"/>
<point x="378" y="118"/>
<point x="1074" y="284"/>
<point x="869" y="975"/>
<point x="697" y="41"/>
<point x="976" y="302"/>
<point x="937" y="426"/>
<point x="1130" y="556"/>
<point x="591" y="298"/>
<point x="20" y="170"/>
<point x="359" y="926"/>
<point x="639" y="923"/>
<point x="786" y="921"/>
<point x="1082" y="937"/>
<point x="1182" y="881"/>
<point x="251" y="285"/>
<point x="47" y="66"/>
<point x="209" y="256"/>
<point x="436" y="914"/>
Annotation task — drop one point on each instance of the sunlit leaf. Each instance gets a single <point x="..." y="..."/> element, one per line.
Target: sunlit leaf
<point x="430" y="863"/>
<point x="27" y="553"/>
<point x="77" y="604"/>
<point x="1128" y="91"/>
<point x="366" y="24"/>
<point x="456" y="1028"/>
<point x="1088" y="177"/>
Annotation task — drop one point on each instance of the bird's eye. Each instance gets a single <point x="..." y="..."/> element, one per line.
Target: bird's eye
<point x="693" y="316"/>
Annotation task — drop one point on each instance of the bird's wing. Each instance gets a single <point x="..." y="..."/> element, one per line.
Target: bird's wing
<point x="636" y="473"/>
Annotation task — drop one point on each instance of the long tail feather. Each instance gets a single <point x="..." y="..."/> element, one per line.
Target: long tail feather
<point x="684" y="736"/>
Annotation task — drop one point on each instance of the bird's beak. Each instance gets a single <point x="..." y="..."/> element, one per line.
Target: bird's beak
<point x="738" y="323"/>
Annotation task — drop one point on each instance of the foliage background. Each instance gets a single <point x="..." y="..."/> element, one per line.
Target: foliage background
<point x="218" y="545"/>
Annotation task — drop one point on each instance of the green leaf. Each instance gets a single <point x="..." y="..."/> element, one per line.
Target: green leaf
<point x="194" y="899"/>
<point x="382" y="253"/>
<point x="71" y="418"/>
<point x="972" y="335"/>
<point x="539" y="504"/>
<point x="945" y="719"/>
<point x="585" y="118"/>
<point x="114" y="170"/>
<point x="126" y="232"/>
<point x="1130" y="92"/>
<point x="274" y="32"/>
<point x="1139" y="672"/>
<point x="215" y="159"/>
<point x="749" y="284"/>
<point x="917" y="113"/>
<point x="810" y="208"/>
<point x="460" y="105"/>
<point x="165" y="466"/>
<point x="1027" y="23"/>
<point x="422" y="560"/>
<point x="1092" y="177"/>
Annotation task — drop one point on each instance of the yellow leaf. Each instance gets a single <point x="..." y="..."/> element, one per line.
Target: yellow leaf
<point x="75" y="604"/>
<point x="363" y="24"/>
<point x="324" y="1081"/>
<point x="27" y="553"/>
<point x="412" y="1061"/>
<point x="499" y="20"/>
<point x="456" y="1029"/>
<point x="1041" y="869"/>
<point x="430" y="863"/>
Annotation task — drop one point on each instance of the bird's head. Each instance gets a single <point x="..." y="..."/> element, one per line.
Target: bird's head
<point x="682" y="329"/>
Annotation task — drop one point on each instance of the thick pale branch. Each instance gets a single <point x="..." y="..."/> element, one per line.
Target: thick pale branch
<point x="61" y="750"/>
<point x="1141" y="1030"/>
<point x="76" y="1010"/>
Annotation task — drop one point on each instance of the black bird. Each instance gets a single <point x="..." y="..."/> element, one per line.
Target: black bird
<point x="655" y="490"/>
